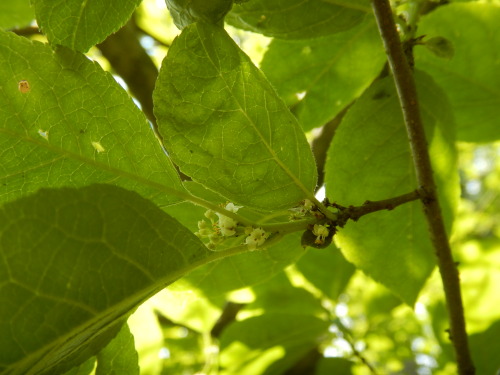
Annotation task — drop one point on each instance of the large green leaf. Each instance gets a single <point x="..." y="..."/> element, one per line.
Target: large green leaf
<point x="297" y="19"/>
<point x="74" y="263"/>
<point x="15" y="13"/>
<point x="269" y="344"/>
<point x="470" y="78"/>
<point x="370" y="159"/>
<point x="225" y="126"/>
<point x="320" y="77"/>
<point x="80" y="24"/>
<point x="66" y="122"/>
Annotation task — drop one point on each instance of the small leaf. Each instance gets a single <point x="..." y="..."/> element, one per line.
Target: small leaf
<point x="471" y="78"/>
<point x="74" y="264"/>
<point x="296" y="19"/>
<point x="185" y="12"/>
<point x="319" y="77"/>
<point x="440" y="46"/>
<point x="79" y="24"/>
<point x="225" y="126"/>
<point x="370" y="159"/>
<point x="66" y="122"/>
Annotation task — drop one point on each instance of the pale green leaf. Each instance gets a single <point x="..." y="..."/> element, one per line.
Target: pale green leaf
<point x="370" y="159"/>
<point x="74" y="263"/>
<point x="15" y="13"/>
<point x="80" y="24"/>
<point x="268" y="344"/>
<point x="319" y="77"/>
<point x="225" y="126"/>
<point x="296" y="19"/>
<point x="119" y="356"/>
<point x="470" y="78"/>
<point x="66" y="122"/>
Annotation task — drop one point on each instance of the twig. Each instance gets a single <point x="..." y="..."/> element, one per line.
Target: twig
<point x="356" y="212"/>
<point x="407" y="93"/>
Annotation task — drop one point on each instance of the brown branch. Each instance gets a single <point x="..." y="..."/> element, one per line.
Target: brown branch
<point x="405" y="85"/>
<point x="356" y="212"/>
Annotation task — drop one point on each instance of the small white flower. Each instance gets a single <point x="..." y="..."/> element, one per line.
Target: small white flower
<point x="321" y="232"/>
<point x="228" y="225"/>
<point x="256" y="238"/>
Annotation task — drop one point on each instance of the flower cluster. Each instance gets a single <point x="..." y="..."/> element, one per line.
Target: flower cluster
<point x="321" y="232"/>
<point x="222" y="227"/>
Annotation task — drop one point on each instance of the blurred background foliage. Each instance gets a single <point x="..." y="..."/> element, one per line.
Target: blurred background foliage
<point x="312" y="320"/>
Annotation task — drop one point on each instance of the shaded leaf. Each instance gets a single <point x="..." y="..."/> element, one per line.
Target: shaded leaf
<point x="74" y="264"/>
<point x="225" y="126"/>
<point x="370" y="159"/>
<point x="65" y="122"/>
<point x="296" y="19"/>
<point x="81" y="24"/>
<point x="470" y="78"/>
<point x="319" y="77"/>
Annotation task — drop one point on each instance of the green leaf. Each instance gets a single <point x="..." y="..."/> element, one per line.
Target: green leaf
<point x="278" y="295"/>
<point x="243" y="270"/>
<point x="327" y="270"/>
<point x="319" y="77"/>
<point x="74" y="264"/>
<point x="15" y="13"/>
<point x="225" y="126"/>
<point x="119" y="356"/>
<point x="185" y="12"/>
<point x="80" y="24"/>
<point x="268" y="344"/>
<point x="66" y="122"/>
<point x="370" y="159"/>
<point x="470" y="78"/>
<point x="296" y="19"/>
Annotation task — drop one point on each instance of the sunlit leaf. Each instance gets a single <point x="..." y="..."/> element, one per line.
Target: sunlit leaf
<point x="75" y="263"/>
<point x="81" y="24"/>
<point x="470" y="78"/>
<point x="65" y="122"/>
<point x="225" y="126"/>
<point x="370" y="159"/>
<point x="319" y="77"/>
